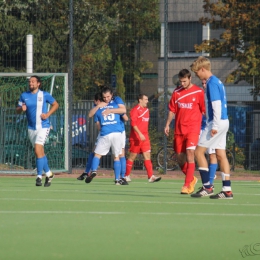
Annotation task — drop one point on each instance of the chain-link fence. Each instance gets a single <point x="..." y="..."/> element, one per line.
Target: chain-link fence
<point x="140" y="46"/>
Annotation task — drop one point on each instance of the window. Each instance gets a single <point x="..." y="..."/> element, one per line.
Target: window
<point x="183" y="36"/>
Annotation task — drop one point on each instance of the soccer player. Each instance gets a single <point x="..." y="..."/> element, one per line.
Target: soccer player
<point x="213" y="162"/>
<point x="123" y="119"/>
<point x="35" y="104"/>
<point x="98" y="102"/>
<point x="111" y="135"/>
<point x="215" y="132"/>
<point x="187" y="105"/>
<point x="139" y="138"/>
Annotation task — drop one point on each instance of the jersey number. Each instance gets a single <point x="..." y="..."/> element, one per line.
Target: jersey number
<point x="109" y="117"/>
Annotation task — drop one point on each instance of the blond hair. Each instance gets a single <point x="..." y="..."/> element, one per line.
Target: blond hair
<point x="200" y="62"/>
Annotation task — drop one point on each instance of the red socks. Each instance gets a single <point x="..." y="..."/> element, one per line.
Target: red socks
<point x="189" y="173"/>
<point x="129" y="165"/>
<point x="184" y="168"/>
<point x="149" y="168"/>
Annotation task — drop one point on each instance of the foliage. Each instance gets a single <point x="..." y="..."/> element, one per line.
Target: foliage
<point x="119" y="72"/>
<point x="240" y="39"/>
<point x="238" y="152"/>
<point x="103" y="31"/>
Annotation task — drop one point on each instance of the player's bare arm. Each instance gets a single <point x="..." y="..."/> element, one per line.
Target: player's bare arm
<point x="93" y="110"/>
<point x="120" y="110"/>
<point x="21" y="109"/>
<point x="168" y="122"/>
<point x="125" y="117"/>
<point x="54" y="107"/>
<point x="142" y="137"/>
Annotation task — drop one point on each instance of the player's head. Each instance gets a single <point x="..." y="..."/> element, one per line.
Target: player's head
<point x="201" y="67"/>
<point x="204" y="84"/>
<point x="107" y="94"/>
<point x="97" y="98"/>
<point x="142" y="100"/>
<point x="34" y="83"/>
<point x="185" y="78"/>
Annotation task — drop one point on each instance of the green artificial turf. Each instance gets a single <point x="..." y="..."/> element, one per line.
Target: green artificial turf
<point x="74" y="220"/>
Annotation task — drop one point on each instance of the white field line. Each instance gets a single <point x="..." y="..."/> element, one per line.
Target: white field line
<point x="122" y="213"/>
<point x="114" y="191"/>
<point x="191" y="202"/>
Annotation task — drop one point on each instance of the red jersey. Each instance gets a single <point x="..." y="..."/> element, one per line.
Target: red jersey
<point x="188" y="106"/>
<point x="139" y="117"/>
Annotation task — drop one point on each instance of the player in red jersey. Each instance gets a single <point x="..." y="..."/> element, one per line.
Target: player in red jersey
<point x="139" y="138"/>
<point x="187" y="105"/>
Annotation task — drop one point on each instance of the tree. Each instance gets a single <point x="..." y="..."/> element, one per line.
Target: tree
<point x="103" y="30"/>
<point x="119" y="72"/>
<point x="240" y="39"/>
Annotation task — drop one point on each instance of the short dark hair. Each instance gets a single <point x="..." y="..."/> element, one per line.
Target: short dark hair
<point x="98" y="97"/>
<point x="106" y="89"/>
<point x="37" y="78"/>
<point x="141" y="96"/>
<point x="184" y="73"/>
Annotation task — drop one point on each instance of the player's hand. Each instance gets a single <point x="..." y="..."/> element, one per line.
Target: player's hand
<point x="102" y="104"/>
<point x="142" y="137"/>
<point x="44" y="116"/>
<point x="106" y="112"/>
<point x="24" y="107"/>
<point x="166" y="130"/>
<point x="213" y="132"/>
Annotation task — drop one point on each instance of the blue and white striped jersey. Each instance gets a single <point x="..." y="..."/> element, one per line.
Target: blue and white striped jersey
<point x="36" y="104"/>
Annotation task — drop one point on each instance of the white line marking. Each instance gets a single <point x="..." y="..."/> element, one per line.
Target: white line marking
<point x="122" y="213"/>
<point x="60" y="212"/>
<point x="191" y="202"/>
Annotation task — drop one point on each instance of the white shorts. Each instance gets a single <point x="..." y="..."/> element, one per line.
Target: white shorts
<point x="38" y="136"/>
<point x="123" y="140"/>
<point x="218" y="141"/>
<point x="211" y="150"/>
<point x="97" y="139"/>
<point x="113" y="141"/>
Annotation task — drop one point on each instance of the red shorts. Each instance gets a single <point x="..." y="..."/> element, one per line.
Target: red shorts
<point x="137" y="146"/>
<point x="184" y="142"/>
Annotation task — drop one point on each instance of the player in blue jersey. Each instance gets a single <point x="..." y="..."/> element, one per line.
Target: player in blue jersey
<point x="111" y="134"/>
<point x="108" y="96"/>
<point x="98" y="103"/>
<point x="214" y="134"/>
<point x="123" y="119"/>
<point x="213" y="162"/>
<point x="35" y="104"/>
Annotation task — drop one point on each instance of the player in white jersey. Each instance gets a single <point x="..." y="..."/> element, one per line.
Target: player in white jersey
<point x="35" y="104"/>
<point x="214" y="134"/>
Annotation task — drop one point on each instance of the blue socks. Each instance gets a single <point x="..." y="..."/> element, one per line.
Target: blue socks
<point x="45" y="165"/>
<point x="123" y="166"/>
<point x="40" y="164"/>
<point x="89" y="162"/>
<point x="117" y="169"/>
<point x="205" y="178"/>
<point x="212" y="172"/>
<point x="95" y="163"/>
